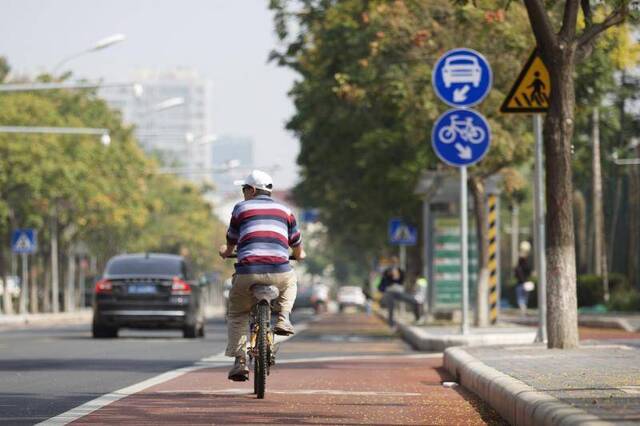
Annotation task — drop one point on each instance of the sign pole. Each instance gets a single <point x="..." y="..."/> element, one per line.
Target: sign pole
<point x="24" y="288"/>
<point x="540" y="244"/>
<point x="403" y="258"/>
<point x="464" y="255"/>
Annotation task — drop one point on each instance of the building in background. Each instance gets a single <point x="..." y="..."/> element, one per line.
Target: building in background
<point x="172" y="117"/>
<point x="231" y="150"/>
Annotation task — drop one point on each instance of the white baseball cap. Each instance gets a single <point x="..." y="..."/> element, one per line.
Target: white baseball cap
<point x="258" y="180"/>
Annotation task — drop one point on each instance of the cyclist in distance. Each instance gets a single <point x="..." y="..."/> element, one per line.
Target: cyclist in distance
<point x="263" y="230"/>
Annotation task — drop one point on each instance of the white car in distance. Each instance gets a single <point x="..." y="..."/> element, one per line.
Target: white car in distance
<point x="350" y="296"/>
<point x="461" y="69"/>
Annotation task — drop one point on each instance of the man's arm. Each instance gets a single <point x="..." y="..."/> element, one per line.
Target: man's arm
<point x="298" y="252"/>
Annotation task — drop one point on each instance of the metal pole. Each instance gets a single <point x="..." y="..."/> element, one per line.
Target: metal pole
<point x="539" y="221"/>
<point x="24" y="288"/>
<point x="464" y="251"/>
<point x="403" y="258"/>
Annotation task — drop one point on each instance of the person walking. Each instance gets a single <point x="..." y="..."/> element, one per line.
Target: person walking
<point x="523" y="275"/>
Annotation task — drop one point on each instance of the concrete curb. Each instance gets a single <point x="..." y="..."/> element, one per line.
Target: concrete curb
<point x="586" y="320"/>
<point x="422" y="340"/>
<point x="517" y="402"/>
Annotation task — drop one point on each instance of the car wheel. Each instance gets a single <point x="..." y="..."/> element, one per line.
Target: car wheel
<point x="190" y="331"/>
<point x="341" y="308"/>
<point x="101" y="331"/>
<point x="201" y="330"/>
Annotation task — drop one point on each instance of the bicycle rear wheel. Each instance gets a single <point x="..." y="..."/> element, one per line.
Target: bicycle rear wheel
<point x="261" y="363"/>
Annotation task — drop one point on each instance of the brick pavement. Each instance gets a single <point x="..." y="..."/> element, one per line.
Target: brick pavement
<point x="372" y="379"/>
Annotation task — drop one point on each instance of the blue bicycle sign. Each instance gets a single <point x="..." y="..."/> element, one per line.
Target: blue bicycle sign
<point x="462" y="78"/>
<point x="463" y="129"/>
<point x="461" y="137"/>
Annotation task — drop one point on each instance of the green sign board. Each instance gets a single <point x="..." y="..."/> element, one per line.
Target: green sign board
<point x="447" y="277"/>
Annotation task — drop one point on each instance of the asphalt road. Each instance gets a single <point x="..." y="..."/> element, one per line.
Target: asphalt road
<point x="47" y="371"/>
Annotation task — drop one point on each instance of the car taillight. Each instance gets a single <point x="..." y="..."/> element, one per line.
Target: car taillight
<point x="104" y="287"/>
<point x="180" y="287"/>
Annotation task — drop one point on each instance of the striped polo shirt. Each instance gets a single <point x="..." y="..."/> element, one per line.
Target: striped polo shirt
<point x="263" y="230"/>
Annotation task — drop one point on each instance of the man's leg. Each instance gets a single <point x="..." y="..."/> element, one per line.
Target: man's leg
<point x="287" y="284"/>
<point x="240" y="302"/>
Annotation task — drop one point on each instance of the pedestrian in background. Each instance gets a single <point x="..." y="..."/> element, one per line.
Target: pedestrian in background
<point x="524" y="285"/>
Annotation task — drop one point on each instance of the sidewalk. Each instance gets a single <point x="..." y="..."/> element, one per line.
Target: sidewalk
<point x="45" y="319"/>
<point x="532" y="385"/>
<point x="624" y="321"/>
<point x="82" y="316"/>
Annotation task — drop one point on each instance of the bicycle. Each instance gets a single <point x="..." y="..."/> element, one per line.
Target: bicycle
<point x="262" y="349"/>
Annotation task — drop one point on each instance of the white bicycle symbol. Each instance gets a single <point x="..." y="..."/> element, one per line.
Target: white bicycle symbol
<point x="464" y="128"/>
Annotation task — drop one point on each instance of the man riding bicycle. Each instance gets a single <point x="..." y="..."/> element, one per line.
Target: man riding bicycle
<point x="263" y="230"/>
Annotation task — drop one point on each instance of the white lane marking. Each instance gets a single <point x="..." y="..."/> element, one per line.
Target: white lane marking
<point x="104" y="400"/>
<point x="208" y="362"/>
<point x="337" y="392"/>
<point x="357" y="358"/>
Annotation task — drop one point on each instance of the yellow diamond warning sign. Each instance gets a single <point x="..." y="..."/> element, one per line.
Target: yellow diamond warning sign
<point x="532" y="89"/>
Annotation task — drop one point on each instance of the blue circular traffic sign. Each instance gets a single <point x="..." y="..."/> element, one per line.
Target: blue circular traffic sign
<point x="461" y="137"/>
<point x="462" y="78"/>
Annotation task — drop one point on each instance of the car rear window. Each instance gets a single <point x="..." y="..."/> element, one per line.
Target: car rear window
<point x="145" y="266"/>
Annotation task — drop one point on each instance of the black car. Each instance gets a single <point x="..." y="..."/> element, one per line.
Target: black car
<point x="147" y="290"/>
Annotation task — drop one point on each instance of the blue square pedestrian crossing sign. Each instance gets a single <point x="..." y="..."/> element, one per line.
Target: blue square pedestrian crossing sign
<point x="24" y="241"/>
<point x="401" y="233"/>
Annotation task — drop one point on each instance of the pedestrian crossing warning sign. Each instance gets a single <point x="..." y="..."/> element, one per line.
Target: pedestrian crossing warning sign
<point x="532" y="89"/>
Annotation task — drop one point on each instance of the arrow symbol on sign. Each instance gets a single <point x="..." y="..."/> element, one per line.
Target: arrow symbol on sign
<point x="460" y="95"/>
<point x="464" y="152"/>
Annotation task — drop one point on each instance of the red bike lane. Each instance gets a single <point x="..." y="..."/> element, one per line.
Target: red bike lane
<point x="362" y="375"/>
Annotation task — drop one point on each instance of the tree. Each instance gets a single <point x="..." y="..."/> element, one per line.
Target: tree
<point x="365" y="106"/>
<point x="563" y="45"/>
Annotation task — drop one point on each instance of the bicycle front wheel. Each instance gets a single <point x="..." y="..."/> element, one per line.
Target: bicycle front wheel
<point x="262" y="359"/>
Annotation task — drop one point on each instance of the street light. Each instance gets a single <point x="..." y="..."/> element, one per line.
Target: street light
<point x="103" y="133"/>
<point x="99" y="45"/>
<point x="30" y="87"/>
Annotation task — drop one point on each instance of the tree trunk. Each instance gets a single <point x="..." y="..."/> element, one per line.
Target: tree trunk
<point x="7" y="304"/>
<point x="46" y="280"/>
<point x="580" y="209"/>
<point x="599" y="247"/>
<point x="55" y="273"/>
<point x="614" y="222"/>
<point x="634" y="226"/>
<point x="482" y="282"/>
<point x="33" y="288"/>
<point x="562" y="306"/>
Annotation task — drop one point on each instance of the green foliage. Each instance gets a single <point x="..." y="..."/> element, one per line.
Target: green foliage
<point x="625" y="300"/>
<point x="591" y="290"/>
<point x="109" y="198"/>
<point x="365" y="106"/>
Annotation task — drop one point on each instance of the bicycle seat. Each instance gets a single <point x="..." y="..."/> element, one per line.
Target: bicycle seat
<point x="265" y="292"/>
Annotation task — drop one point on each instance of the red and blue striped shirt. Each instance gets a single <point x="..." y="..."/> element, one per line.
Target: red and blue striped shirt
<point x="263" y="230"/>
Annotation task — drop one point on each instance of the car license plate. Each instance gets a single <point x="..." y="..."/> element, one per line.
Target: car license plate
<point x="142" y="289"/>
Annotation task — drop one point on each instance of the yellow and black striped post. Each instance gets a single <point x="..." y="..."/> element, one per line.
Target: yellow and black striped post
<point x="493" y="258"/>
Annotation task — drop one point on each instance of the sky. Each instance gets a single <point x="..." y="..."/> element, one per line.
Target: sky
<point x="226" y="41"/>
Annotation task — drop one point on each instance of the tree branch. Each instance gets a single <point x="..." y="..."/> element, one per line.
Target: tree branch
<point x="591" y="32"/>
<point x="540" y="24"/>
<point x="569" y="19"/>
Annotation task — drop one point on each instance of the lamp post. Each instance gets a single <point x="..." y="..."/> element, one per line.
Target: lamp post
<point x="99" y="45"/>
<point x="103" y="133"/>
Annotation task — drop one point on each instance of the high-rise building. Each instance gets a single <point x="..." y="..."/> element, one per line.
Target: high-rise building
<point x="172" y="117"/>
